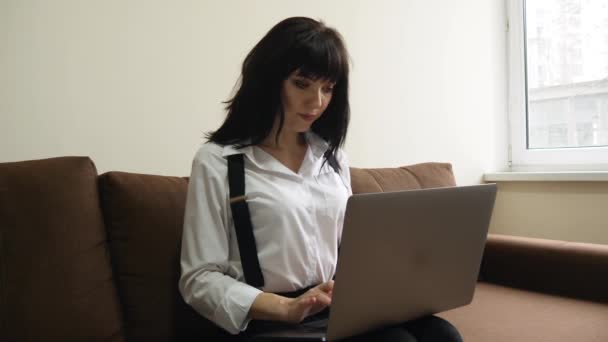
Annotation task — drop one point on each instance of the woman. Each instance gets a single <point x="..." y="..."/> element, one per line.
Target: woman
<point x="286" y="124"/>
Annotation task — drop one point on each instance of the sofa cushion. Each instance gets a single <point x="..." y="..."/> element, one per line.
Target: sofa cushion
<point x="418" y="176"/>
<point x="504" y="314"/>
<point x="144" y="218"/>
<point x="56" y="283"/>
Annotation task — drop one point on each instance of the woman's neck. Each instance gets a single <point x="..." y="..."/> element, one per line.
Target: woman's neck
<point x="286" y="140"/>
<point x="288" y="149"/>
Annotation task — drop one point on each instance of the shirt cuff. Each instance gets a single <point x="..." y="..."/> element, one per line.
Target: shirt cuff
<point x="232" y="314"/>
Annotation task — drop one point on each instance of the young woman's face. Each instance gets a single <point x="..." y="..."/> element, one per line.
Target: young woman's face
<point x="304" y="101"/>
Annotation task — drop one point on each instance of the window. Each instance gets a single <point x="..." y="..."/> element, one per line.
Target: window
<point x="558" y="84"/>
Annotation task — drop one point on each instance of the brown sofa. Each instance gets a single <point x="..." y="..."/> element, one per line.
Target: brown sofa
<point x="96" y="258"/>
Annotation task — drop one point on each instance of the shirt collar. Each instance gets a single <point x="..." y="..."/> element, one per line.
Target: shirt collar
<point x="231" y="149"/>
<point x="316" y="144"/>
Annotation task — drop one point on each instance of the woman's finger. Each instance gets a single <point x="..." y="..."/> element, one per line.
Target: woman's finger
<point x="326" y="286"/>
<point x="306" y="301"/>
<point x="323" y="298"/>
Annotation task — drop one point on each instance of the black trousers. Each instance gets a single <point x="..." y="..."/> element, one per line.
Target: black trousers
<point x="425" y="329"/>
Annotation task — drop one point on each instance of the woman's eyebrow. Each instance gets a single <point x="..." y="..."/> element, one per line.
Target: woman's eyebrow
<point x="319" y="79"/>
<point x="308" y="78"/>
<point x="315" y="79"/>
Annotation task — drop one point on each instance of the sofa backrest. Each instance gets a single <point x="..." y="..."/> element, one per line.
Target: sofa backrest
<point x="56" y="282"/>
<point x="417" y="176"/>
<point x="66" y="276"/>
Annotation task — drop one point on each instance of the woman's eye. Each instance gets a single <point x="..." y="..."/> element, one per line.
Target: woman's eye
<point x="328" y="90"/>
<point x="300" y="84"/>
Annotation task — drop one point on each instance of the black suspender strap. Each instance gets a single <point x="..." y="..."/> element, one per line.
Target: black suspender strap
<point x="242" y="221"/>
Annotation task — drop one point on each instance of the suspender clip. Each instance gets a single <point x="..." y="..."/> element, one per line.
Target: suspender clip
<point x="238" y="199"/>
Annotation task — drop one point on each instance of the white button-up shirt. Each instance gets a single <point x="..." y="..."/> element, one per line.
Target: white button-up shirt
<point x="297" y="220"/>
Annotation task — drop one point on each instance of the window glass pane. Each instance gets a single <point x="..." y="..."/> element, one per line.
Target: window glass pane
<point x="567" y="73"/>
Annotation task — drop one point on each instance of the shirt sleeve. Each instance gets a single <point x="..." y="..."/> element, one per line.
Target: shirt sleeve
<point x="205" y="283"/>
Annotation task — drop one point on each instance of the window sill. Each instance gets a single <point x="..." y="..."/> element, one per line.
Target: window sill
<point x="565" y="176"/>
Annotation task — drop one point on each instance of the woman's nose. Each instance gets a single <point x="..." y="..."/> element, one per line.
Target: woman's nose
<point x="316" y="98"/>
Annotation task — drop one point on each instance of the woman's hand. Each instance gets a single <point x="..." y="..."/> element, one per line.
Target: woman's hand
<point x="311" y="302"/>
<point x="269" y="306"/>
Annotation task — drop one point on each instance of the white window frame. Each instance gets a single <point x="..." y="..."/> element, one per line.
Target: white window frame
<point x="520" y="157"/>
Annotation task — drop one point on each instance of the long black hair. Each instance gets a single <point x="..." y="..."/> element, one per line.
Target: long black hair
<point x="295" y="44"/>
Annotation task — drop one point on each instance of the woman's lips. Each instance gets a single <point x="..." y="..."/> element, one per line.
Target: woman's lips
<point x="308" y="117"/>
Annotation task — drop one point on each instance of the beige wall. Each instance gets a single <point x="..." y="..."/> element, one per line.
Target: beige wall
<point x="134" y="84"/>
<point x="571" y="211"/>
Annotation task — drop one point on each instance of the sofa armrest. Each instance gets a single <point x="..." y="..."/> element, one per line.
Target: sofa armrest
<point x="570" y="269"/>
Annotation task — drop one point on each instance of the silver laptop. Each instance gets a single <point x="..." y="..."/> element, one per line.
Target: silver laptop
<point x="403" y="255"/>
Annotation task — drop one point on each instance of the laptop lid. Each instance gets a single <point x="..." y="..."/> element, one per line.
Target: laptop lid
<point x="408" y="254"/>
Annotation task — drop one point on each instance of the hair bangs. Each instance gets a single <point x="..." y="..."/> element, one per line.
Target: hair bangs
<point x="320" y="57"/>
